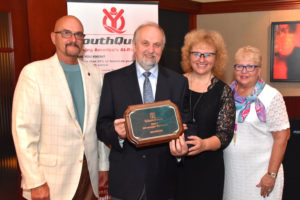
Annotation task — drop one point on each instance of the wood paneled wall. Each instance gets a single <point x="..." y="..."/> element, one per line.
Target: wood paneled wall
<point x="293" y="107"/>
<point x="18" y="12"/>
<point x="42" y="16"/>
<point x="193" y="7"/>
<point x="247" y="6"/>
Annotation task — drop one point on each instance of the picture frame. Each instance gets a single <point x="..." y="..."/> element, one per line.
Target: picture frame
<point x="285" y="51"/>
<point x="153" y="123"/>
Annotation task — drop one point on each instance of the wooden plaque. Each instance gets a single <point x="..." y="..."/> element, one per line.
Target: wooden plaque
<point x="153" y="123"/>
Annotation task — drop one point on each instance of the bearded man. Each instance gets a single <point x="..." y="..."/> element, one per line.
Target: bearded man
<point x="147" y="172"/>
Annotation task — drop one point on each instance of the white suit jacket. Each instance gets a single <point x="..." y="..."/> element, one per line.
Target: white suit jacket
<point x="48" y="139"/>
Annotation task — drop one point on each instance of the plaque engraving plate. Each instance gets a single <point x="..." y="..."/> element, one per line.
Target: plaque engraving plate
<point x="153" y="123"/>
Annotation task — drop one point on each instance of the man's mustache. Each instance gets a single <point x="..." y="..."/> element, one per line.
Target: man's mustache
<point x="73" y="44"/>
<point x="150" y="54"/>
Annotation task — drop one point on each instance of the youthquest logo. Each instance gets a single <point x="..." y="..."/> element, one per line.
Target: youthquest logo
<point x="114" y="18"/>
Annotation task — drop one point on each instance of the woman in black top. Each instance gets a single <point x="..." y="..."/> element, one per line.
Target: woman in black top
<point x="212" y="111"/>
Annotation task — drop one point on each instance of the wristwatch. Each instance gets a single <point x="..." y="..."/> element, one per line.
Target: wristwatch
<point x="272" y="174"/>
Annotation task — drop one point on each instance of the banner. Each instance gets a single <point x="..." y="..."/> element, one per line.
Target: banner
<point x="109" y="29"/>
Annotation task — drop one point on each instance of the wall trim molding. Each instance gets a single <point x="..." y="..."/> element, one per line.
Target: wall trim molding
<point x="247" y="6"/>
<point x="197" y="8"/>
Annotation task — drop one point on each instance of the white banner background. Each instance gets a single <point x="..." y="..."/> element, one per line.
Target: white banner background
<point x="109" y="29"/>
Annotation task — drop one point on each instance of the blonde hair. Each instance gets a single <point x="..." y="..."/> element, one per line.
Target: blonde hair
<point x="211" y="38"/>
<point x="249" y="52"/>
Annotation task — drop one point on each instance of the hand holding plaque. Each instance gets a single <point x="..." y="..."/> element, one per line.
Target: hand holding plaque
<point x="153" y="123"/>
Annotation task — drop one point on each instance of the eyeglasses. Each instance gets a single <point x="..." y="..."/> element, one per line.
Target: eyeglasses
<point x="249" y="68"/>
<point x="205" y="55"/>
<point x="68" y="34"/>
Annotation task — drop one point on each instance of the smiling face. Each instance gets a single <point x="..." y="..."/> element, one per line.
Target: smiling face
<point x="148" y="46"/>
<point x="203" y="65"/>
<point x="244" y="78"/>
<point x="67" y="49"/>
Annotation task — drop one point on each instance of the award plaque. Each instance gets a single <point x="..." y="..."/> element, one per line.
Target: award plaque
<point x="152" y="123"/>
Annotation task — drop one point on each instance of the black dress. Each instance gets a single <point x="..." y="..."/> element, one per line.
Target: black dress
<point x="201" y="177"/>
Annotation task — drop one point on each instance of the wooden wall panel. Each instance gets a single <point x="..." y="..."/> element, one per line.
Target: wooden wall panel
<point x="247" y="6"/>
<point x="293" y="107"/>
<point x="42" y="16"/>
<point x="193" y="21"/>
<point x="192" y="7"/>
<point x="15" y="56"/>
<point x="187" y="6"/>
<point x="17" y="9"/>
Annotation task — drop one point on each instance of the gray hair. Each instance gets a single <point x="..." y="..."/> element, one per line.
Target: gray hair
<point x="153" y="24"/>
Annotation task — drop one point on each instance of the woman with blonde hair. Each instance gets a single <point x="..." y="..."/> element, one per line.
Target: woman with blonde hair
<point x="253" y="168"/>
<point x="211" y="104"/>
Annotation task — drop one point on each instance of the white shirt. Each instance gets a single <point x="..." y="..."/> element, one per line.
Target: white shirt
<point x="141" y="78"/>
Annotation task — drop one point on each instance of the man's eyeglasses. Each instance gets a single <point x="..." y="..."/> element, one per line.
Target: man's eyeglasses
<point x="205" y="55"/>
<point x="249" y="68"/>
<point x="68" y="34"/>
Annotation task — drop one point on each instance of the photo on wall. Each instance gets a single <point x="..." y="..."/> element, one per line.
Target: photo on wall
<point x="285" y="51"/>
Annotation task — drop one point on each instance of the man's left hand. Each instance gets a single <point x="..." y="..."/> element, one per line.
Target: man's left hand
<point x="103" y="178"/>
<point x="178" y="147"/>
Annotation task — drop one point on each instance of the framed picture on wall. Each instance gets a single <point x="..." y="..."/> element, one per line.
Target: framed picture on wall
<point x="285" y="51"/>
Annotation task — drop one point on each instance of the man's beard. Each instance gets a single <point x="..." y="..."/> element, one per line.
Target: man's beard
<point x="146" y="64"/>
<point x="76" y="54"/>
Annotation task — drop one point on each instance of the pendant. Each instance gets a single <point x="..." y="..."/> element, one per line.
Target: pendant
<point x="194" y="120"/>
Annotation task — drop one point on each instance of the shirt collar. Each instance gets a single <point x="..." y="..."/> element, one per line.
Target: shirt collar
<point x="140" y="70"/>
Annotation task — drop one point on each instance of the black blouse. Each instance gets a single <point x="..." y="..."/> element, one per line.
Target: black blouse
<point x="214" y="111"/>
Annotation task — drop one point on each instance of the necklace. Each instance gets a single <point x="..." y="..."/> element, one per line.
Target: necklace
<point x="192" y="109"/>
<point x="195" y="105"/>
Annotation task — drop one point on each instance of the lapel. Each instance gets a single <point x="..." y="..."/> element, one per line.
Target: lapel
<point x="63" y="88"/>
<point x="132" y="84"/>
<point x="85" y="79"/>
<point x="162" y="87"/>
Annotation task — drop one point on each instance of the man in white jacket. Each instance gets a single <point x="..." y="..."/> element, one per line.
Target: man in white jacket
<point x="55" y="109"/>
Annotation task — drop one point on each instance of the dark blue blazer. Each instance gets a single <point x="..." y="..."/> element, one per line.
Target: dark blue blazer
<point x="133" y="168"/>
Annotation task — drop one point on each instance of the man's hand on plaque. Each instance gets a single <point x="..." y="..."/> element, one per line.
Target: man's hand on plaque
<point x="185" y="127"/>
<point x="178" y="147"/>
<point x="119" y="125"/>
